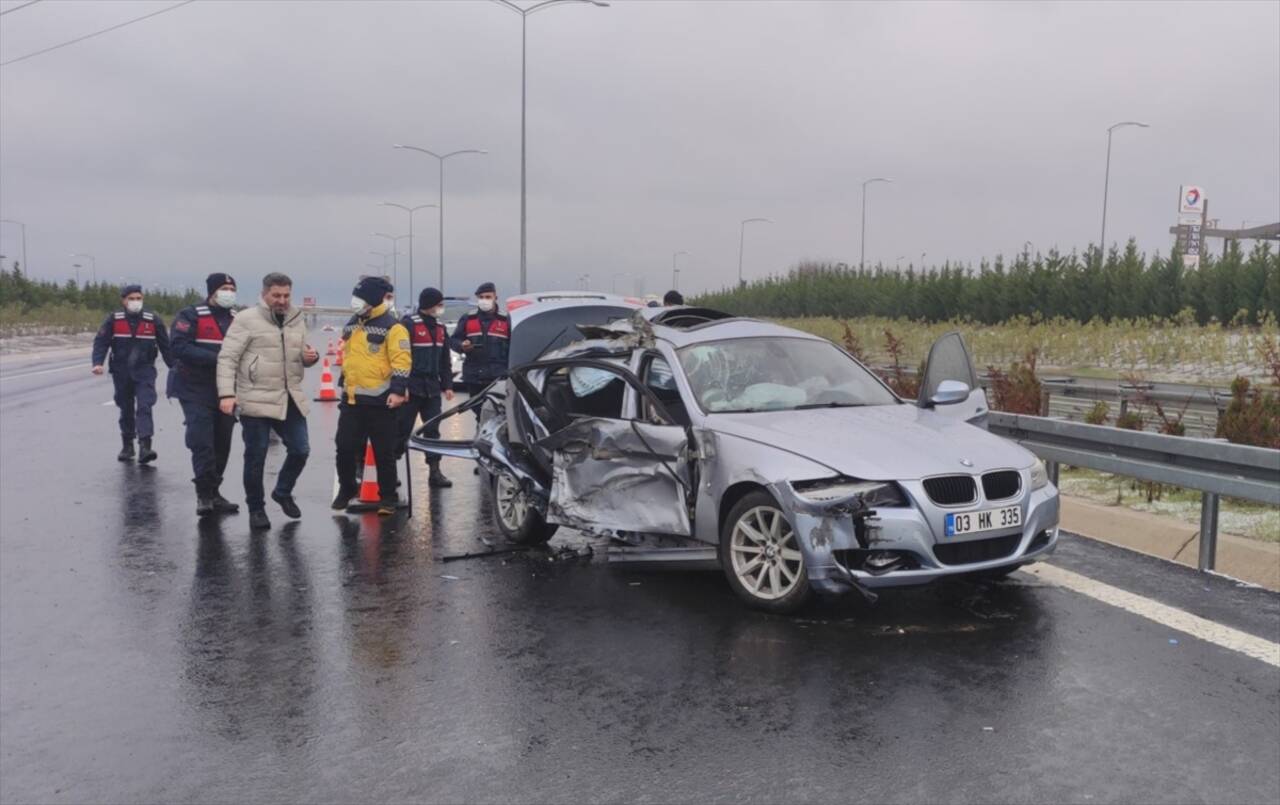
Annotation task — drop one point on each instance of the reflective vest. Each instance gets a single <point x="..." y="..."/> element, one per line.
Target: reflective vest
<point x="427" y="345"/>
<point x="207" y="329"/>
<point x="488" y="359"/>
<point x="146" y="326"/>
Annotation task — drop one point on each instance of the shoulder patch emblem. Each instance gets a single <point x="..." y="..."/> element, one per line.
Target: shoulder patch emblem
<point x="182" y="325"/>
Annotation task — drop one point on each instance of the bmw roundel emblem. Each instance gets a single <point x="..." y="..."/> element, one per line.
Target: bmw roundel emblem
<point x="966" y="462"/>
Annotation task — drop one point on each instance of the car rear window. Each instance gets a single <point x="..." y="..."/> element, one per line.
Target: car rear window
<point x="556" y="328"/>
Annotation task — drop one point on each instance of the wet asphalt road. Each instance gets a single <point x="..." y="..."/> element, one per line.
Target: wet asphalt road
<point x="148" y="658"/>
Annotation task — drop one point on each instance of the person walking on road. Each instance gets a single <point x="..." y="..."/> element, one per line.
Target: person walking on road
<point x="483" y="336"/>
<point x="198" y="331"/>
<point x="260" y="368"/>
<point x="431" y="376"/>
<point x="133" y="336"/>
<point x="672" y="299"/>
<point x="375" y="380"/>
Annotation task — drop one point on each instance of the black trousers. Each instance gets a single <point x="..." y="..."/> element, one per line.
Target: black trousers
<point x="135" y="395"/>
<point x="426" y="406"/>
<point x="209" y="440"/>
<point x="377" y="425"/>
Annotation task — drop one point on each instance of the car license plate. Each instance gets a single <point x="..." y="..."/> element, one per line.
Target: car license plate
<point x="989" y="520"/>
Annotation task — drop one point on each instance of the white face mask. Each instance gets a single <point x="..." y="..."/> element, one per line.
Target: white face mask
<point x="437" y="312"/>
<point x="133" y="305"/>
<point x="224" y="298"/>
<point x="358" y="305"/>
<point x="390" y="302"/>
<point x="485" y="304"/>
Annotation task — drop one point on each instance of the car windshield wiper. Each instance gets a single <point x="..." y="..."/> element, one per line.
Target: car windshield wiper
<point x="807" y="406"/>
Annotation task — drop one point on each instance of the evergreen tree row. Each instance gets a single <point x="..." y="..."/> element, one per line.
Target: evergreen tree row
<point x="19" y="290"/>
<point x="1239" y="288"/>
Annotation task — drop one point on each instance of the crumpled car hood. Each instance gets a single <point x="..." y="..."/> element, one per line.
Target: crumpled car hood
<point x="877" y="443"/>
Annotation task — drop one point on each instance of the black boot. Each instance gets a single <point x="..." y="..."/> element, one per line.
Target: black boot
<point x="436" y="479"/>
<point x="126" y="452"/>
<point x="343" y="499"/>
<point x="145" y="454"/>
<point x="204" y="505"/>
<point x="221" y="505"/>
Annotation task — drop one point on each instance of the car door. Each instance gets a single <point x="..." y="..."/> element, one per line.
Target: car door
<point x="949" y="359"/>
<point x="611" y="470"/>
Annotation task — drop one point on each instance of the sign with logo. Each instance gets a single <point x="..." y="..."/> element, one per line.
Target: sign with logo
<point x="1191" y="202"/>
<point x="308" y="301"/>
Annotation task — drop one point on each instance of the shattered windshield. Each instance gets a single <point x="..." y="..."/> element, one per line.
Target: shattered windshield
<point x="777" y="374"/>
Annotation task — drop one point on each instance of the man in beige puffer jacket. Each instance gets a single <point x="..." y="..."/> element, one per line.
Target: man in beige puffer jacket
<point x="260" y="371"/>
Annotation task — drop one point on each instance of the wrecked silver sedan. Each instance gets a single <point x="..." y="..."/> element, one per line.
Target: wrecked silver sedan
<point x="690" y="433"/>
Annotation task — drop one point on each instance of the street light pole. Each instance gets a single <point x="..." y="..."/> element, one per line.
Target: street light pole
<point x="862" y="256"/>
<point x="1106" y="185"/>
<point x="742" y="237"/>
<point x="24" y="242"/>
<point x="384" y="256"/>
<point x="93" y="264"/>
<point x="524" y="26"/>
<point x="411" y="211"/>
<point x="675" y="272"/>
<point x="441" y="158"/>
<point x="395" y="253"/>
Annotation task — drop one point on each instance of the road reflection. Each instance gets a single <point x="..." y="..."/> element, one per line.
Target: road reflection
<point x="248" y="644"/>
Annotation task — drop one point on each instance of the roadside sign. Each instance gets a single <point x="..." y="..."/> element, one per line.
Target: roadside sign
<point x="1193" y="242"/>
<point x="1191" y="200"/>
<point x="308" y="301"/>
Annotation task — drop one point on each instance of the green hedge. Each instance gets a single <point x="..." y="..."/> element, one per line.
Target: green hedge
<point x="1236" y="289"/>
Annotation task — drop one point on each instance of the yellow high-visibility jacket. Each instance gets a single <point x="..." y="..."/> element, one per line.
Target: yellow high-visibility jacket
<point x="377" y="358"/>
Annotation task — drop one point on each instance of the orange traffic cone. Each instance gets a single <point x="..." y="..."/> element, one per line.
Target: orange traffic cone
<point x="369" y="478"/>
<point x="338" y="361"/>
<point x="330" y="350"/>
<point x="327" y="392"/>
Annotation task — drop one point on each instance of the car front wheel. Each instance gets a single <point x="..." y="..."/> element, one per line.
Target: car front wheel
<point x="760" y="555"/>
<point x="515" y="514"/>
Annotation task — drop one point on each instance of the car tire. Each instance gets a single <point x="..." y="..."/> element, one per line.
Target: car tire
<point x="515" y="516"/>
<point x="760" y="555"/>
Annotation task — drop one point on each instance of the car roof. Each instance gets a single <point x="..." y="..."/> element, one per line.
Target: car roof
<point x="685" y="325"/>
<point x="523" y="306"/>
<point x="725" y="329"/>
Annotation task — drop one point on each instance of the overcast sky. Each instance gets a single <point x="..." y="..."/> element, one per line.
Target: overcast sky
<point x="255" y="135"/>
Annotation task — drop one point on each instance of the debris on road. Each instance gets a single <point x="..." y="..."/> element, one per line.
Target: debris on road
<point x="480" y="554"/>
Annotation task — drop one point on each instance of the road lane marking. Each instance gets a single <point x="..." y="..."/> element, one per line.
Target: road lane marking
<point x="1180" y="620"/>
<point x="41" y="372"/>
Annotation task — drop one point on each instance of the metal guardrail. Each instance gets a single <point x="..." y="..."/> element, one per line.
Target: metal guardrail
<point x="1215" y="468"/>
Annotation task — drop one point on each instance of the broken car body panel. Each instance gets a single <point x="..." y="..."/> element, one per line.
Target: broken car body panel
<point x="619" y="475"/>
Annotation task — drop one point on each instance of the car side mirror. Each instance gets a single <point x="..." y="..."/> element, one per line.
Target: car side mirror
<point x="950" y="392"/>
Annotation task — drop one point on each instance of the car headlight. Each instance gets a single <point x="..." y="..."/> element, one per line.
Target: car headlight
<point x="827" y="490"/>
<point x="1039" y="475"/>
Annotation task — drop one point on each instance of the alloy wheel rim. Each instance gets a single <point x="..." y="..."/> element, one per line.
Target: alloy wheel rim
<point x="765" y="554"/>
<point x="512" y="505"/>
